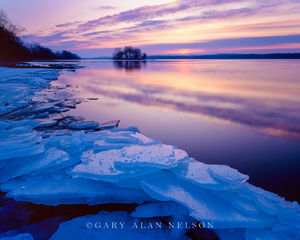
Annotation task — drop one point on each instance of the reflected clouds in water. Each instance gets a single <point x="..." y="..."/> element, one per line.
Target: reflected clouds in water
<point x="263" y="101"/>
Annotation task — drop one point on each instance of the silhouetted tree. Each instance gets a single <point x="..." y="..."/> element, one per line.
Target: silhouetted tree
<point x="39" y="52"/>
<point x="13" y="49"/>
<point x="67" y="55"/>
<point x="129" y="53"/>
<point x="118" y="54"/>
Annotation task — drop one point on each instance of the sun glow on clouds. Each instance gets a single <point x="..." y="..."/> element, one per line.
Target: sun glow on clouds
<point x="151" y="23"/>
<point x="185" y="51"/>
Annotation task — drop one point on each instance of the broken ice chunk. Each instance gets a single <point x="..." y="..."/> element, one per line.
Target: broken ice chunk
<point x="110" y="124"/>
<point x="54" y="158"/>
<point x="288" y="213"/>
<point x="72" y="143"/>
<point x="46" y="123"/>
<point x="121" y="138"/>
<point x="102" y="145"/>
<point x="83" y="125"/>
<point x="22" y="145"/>
<point x="100" y="166"/>
<point x="57" y="188"/>
<point x="76" y="123"/>
<point x="241" y="203"/>
<point x="201" y="174"/>
<point x="226" y="174"/>
<point x="45" y="107"/>
<point x="195" y="172"/>
<point x="130" y="161"/>
<point x="157" y="155"/>
<point x="142" y="138"/>
<point x="203" y="205"/>
<point x="159" y="209"/>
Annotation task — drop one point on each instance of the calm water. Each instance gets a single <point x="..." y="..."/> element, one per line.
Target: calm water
<point x="243" y="113"/>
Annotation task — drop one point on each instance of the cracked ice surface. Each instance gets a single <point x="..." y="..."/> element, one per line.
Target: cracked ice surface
<point x="51" y="159"/>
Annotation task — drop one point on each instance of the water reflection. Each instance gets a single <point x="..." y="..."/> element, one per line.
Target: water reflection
<point x="129" y="65"/>
<point x="267" y="100"/>
<point x="241" y="113"/>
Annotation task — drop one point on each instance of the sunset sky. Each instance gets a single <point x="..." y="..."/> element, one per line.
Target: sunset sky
<point x="94" y="28"/>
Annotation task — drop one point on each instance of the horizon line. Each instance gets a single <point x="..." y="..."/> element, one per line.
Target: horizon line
<point x="292" y="55"/>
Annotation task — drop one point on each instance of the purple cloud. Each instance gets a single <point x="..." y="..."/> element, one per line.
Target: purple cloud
<point x="105" y="8"/>
<point x="148" y="12"/>
<point x="67" y="24"/>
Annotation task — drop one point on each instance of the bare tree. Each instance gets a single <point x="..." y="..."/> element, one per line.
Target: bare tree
<point x="129" y="53"/>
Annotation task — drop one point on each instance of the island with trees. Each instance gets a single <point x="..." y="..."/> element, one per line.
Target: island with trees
<point x="129" y="53"/>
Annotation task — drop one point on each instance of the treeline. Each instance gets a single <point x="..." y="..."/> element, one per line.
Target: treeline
<point x="13" y="49"/>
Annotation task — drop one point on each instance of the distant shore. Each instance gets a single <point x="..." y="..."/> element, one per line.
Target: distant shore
<point x="218" y="56"/>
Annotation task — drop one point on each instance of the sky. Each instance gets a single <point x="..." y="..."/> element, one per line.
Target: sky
<point x="94" y="28"/>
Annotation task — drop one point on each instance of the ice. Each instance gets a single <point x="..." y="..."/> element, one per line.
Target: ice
<point x="45" y="107"/>
<point x="72" y="143"/>
<point x="210" y="176"/>
<point x="127" y="162"/>
<point x="123" y="166"/>
<point x="47" y="123"/>
<point x="157" y="155"/>
<point x="57" y="188"/>
<point x="15" y="145"/>
<point x="83" y="125"/>
<point x="203" y="205"/>
<point x="23" y="236"/>
<point x="288" y="213"/>
<point x="120" y="138"/>
<point x="103" y="145"/>
<point x="241" y="203"/>
<point x="159" y="209"/>
<point x="113" y="225"/>
<point x="70" y="103"/>
<point x="143" y="138"/>
<point x="51" y="158"/>
<point x="100" y="166"/>
<point x="197" y="173"/>
<point x="75" y="123"/>
<point x="267" y="234"/>
<point x="21" y="89"/>
<point x="109" y="124"/>
<point x="227" y="174"/>
<point x="54" y="158"/>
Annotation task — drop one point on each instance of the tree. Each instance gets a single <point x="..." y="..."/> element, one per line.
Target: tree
<point x="129" y="53"/>
<point x="13" y="49"/>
